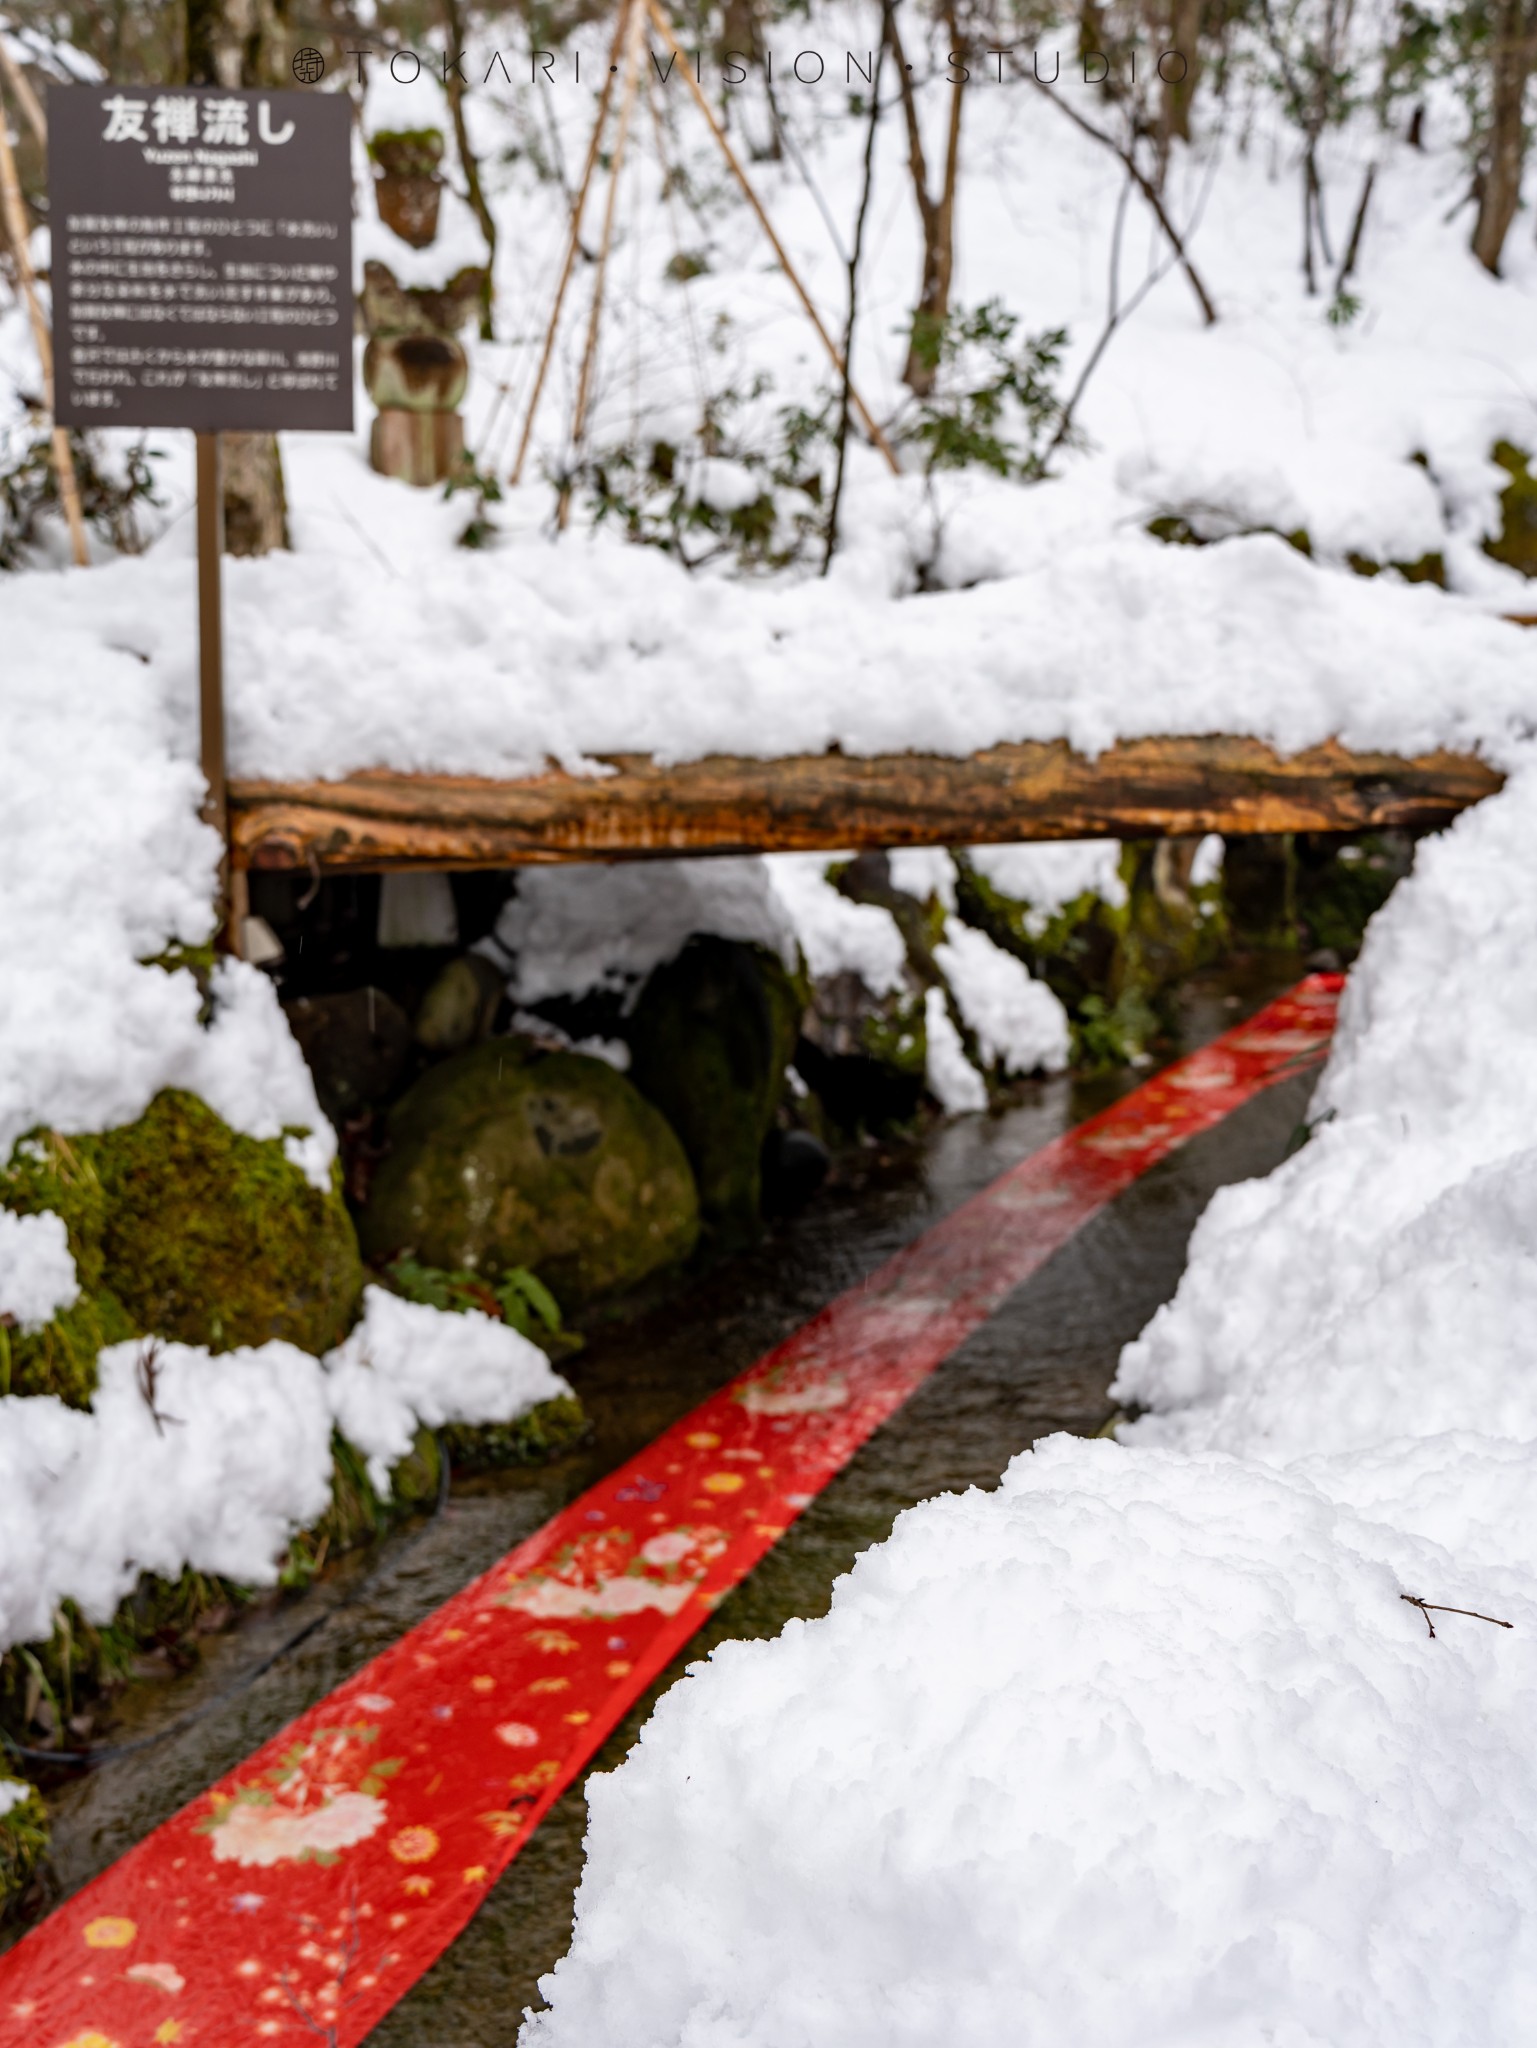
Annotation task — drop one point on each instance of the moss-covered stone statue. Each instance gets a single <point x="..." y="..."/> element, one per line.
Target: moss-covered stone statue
<point x="505" y="1155"/>
<point x="181" y="1228"/>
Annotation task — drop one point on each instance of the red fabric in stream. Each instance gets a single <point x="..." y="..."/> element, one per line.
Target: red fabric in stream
<point x="304" y="1894"/>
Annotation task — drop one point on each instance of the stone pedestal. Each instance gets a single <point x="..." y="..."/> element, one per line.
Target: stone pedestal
<point x="417" y="447"/>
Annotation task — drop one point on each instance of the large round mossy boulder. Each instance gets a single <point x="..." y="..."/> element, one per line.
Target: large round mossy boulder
<point x="710" y="1039"/>
<point x="182" y="1228"/>
<point x="505" y="1156"/>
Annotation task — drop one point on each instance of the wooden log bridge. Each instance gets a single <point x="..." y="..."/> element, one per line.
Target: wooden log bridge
<point x="1150" y="788"/>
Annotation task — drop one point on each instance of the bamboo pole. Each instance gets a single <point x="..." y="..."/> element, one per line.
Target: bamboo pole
<point x="664" y="29"/>
<point x="16" y="230"/>
<point x="635" y="27"/>
<point x="574" y="239"/>
<point x="26" y="98"/>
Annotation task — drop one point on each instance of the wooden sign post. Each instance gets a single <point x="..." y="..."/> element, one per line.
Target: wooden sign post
<point x="202" y="278"/>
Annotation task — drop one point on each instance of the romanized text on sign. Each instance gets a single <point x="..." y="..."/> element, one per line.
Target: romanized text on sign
<point x="202" y="257"/>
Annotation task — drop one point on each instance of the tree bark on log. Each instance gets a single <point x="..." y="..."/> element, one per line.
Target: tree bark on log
<point x="1154" y="788"/>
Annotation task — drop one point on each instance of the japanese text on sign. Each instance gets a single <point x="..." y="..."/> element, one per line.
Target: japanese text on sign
<point x="202" y="258"/>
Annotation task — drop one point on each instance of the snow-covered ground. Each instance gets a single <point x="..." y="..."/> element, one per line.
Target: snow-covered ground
<point x="1148" y="1745"/>
<point x="1143" y="1748"/>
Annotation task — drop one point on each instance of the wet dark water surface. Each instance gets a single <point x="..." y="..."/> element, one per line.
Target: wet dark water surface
<point x="1042" y="1364"/>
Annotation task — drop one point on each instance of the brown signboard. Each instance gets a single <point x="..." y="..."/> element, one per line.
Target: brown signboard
<point x="202" y="257"/>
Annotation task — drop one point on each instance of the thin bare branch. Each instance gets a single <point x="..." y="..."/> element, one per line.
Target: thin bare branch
<point x="1144" y="185"/>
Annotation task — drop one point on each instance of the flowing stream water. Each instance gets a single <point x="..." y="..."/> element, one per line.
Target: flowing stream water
<point x="1042" y="1364"/>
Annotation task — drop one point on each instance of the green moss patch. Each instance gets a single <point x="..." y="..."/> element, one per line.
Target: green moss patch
<point x="50" y="1172"/>
<point x="1516" y="542"/>
<point x="23" y="1845"/>
<point x="1174" y="529"/>
<point x="179" y="1228"/>
<point x="1425" y="569"/>
<point x="407" y="152"/>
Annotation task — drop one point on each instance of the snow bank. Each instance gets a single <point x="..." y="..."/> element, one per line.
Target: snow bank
<point x="1141" y="1748"/>
<point x="949" y="1076"/>
<point x="407" y="1364"/>
<point x="837" y="936"/>
<point x="1017" y="1021"/>
<point x="1053" y="873"/>
<point x="924" y="871"/>
<point x="232" y="1457"/>
<point x="1102" y="635"/>
<point x="569" y="930"/>
<point x="1384" y="1280"/>
<point x="212" y="1462"/>
<point x="106" y="864"/>
<point x="1150" y="1746"/>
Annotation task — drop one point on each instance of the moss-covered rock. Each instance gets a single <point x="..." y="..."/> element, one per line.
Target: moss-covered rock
<point x="710" y="1040"/>
<point x="211" y="1237"/>
<point x="182" y="1228"/>
<point x="23" y="1845"/>
<point x="1516" y="542"/>
<point x="505" y="1156"/>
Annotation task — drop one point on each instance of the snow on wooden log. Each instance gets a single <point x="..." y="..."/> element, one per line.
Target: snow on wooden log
<point x="381" y="819"/>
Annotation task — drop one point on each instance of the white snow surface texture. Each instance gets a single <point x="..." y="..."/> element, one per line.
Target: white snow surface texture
<point x="37" y="1269"/>
<point x="1146" y="1748"/>
<point x="406" y="1364"/>
<point x="240" y="1456"/>
<point x="1384" y="1280"/>
<point x="1143" y="1750"/>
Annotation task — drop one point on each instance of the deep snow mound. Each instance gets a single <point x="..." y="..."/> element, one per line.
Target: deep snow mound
<point x="1141" y="1749"/>
<point x="1384" y="1281"/>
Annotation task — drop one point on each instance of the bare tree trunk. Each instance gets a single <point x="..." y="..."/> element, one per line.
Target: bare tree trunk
<point x="236" y="43"/>
<point x="242" y="43"/>
<point x="867" y="186"/>
<point x="1499" y="193"/>
<point x="1178" y="94"/>
<point x="255" y="503"/>
<point x="936" y="216"/>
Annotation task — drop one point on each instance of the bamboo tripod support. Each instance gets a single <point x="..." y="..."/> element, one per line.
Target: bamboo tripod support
<point x="15" y="213"/>
<point x="634" y="25"/>
<point x="734" y="165"/>
<point x="573" y="239"/>
<point x="628" y="38"/>
<point x="26" y="98"/>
